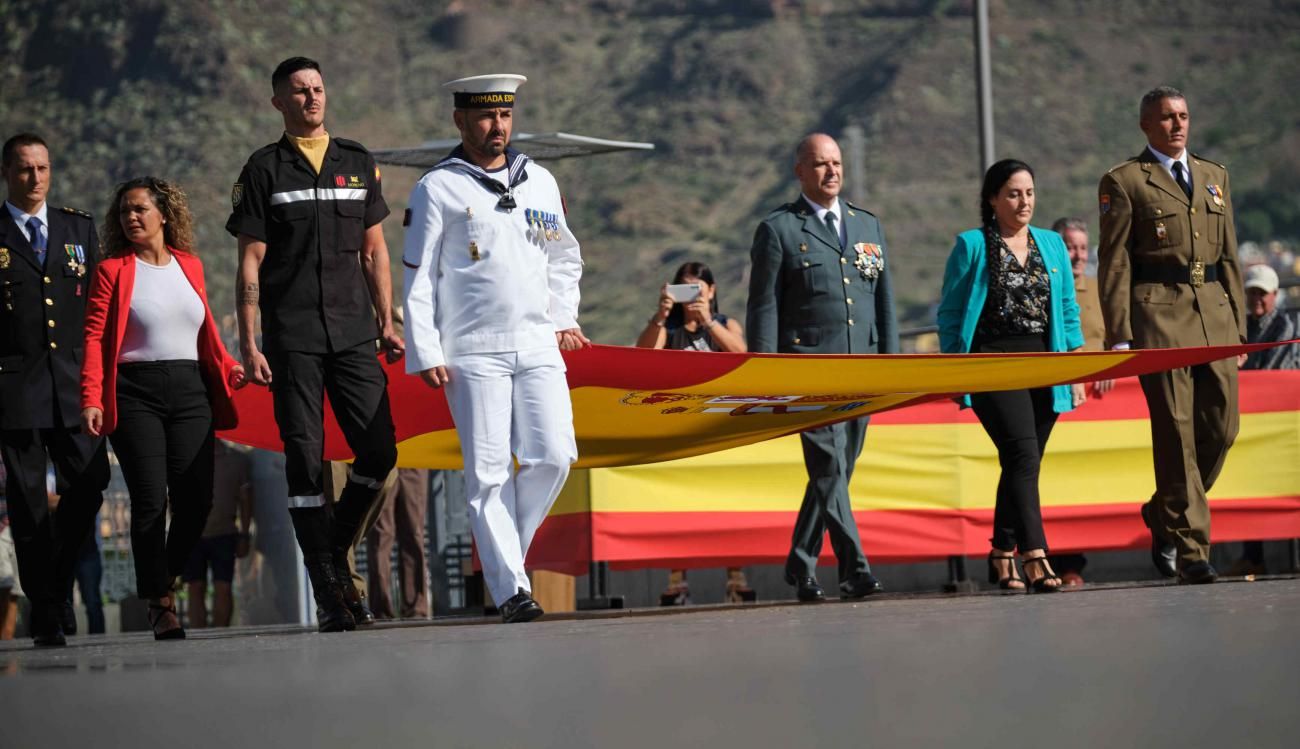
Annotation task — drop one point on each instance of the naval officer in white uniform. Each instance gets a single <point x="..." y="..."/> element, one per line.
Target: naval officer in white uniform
<point x="492" y="276"/>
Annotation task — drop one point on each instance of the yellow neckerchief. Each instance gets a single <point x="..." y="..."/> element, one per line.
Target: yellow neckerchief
<point x="313" y="149"/>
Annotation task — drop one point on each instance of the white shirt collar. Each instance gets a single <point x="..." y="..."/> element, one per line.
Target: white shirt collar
<point x="21" y="218"/>
<point x="820" y="211"/>
<point x="1168" y="163"/>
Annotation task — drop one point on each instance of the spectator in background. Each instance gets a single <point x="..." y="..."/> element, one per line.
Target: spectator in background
<point x="1075" y="233"/>
<point x="158" y="380"/>
<point x="10" y="590"/>
<point x="1267" y="320"/>
<point x="89" y="575"/>
<point x="694" y="324"/>
<point x="403" y="509"/>
<point x="1005" y="291"/>
<point x="225" y="538"/>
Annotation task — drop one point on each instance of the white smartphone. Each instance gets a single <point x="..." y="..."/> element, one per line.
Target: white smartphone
<point x="684" y="292"/>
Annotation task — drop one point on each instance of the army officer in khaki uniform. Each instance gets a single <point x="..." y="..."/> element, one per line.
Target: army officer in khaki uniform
<point x="820" y="284"/>
<point x="1168" y="278"/>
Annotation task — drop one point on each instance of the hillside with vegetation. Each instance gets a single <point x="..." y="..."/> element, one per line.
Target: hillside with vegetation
<point x="724" y="89"/>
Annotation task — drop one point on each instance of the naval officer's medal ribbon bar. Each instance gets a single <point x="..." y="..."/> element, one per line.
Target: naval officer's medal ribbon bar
<point x="544" y="224"/>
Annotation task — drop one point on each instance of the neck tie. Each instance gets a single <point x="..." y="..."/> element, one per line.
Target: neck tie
<point x="1181" y="180"/>
<point x="830" y="224"/>
<point x="38" y="239"/>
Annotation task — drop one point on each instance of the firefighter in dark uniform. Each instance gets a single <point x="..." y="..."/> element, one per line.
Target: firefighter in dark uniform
<point x="312" y="257"/>
<point x="47" y="257"/>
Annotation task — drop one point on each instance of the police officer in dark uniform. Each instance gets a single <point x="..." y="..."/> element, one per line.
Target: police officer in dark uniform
<point x="47" y="257"/>
<point x="820" y="284"/>
<point x="312" y="257"/>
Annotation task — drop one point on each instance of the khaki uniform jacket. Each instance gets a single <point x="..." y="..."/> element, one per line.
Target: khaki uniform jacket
<point x="1148" y="221"/>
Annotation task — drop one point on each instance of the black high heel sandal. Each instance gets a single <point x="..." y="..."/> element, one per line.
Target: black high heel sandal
<point x="1041" y="584"/>
<point x="1010" y="582"/>
<point x="157" y="612"/>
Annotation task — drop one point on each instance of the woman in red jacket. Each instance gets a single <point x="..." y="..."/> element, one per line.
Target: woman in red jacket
<point x="157" y="380"/>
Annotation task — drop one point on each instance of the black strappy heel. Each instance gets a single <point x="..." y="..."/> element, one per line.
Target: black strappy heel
<point x="1041" y="584"/>
<point x="157" y="612"/>
<point x="1008" y="583"/>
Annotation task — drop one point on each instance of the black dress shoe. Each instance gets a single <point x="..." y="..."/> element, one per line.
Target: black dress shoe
<point x="860" y="585"/>
<point x="68" y="618"/>
<point x="807" y="590"/>
<point x="1163" y="554"/>
<point x="520" y="608"/>
<point x="1197" y="573"/>
<point x="46" y="631"/>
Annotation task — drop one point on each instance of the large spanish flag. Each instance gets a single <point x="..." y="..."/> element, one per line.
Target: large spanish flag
<point x="671" y="490"/>
<point x="924" y="488"/>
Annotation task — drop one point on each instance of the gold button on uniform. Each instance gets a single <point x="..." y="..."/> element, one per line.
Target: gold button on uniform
<point x="850" y="321"/>
<point x="49" y="302"/>
<point x="1196" y="235"/>
<point x="805" y="263"/>
<point x="47" y="280"/>
<point x="843" y="261"/>
<point x="1193" y="211"/>
<point x="846" y="280"/>
<point x="49" y="323"/>
<point x="53" y="344"/>
<point x="850" y="301"/>
<point x="796" y="341"/>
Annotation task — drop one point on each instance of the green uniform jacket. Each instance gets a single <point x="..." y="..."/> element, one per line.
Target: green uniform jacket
<point x="806" y="296"/>
<point x="1147" y="220"/>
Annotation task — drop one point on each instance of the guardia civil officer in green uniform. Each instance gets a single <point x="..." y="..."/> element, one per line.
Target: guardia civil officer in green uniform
<point x="820" y="284"/>
<point x="1168" y="277"/>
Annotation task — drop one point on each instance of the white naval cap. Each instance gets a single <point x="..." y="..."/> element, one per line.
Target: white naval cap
<point x="485" y="91"/>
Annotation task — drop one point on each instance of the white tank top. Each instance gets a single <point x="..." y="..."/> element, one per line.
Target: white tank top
<point x="165" y="318"/>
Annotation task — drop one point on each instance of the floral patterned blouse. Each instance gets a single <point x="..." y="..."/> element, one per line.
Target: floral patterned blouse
<point x="1019" y="296"/>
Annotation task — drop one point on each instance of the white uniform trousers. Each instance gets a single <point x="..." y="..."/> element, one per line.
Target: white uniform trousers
<point x="503" y="404"/>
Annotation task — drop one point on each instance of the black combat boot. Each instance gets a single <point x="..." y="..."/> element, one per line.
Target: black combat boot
<point x="349" y="513"/>
<point x="332" y="614"/>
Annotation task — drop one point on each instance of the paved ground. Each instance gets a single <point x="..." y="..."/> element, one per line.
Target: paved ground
<point x="1110" y="666"/>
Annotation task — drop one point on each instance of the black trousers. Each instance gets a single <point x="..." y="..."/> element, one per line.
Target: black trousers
<point x="164" y="443"/>
<point x="1019" y="423"/>
<point x="48" y="544"/>
<point x="358" y="394"/>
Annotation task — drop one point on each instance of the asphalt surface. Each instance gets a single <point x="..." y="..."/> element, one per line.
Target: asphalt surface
<point x="1108" y="666"/>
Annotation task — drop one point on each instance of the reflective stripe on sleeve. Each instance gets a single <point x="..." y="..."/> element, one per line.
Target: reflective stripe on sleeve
<point x="316" y="500"/>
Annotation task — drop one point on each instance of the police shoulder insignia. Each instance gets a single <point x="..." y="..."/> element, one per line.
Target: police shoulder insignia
<point x="1105" y="203"/>
<point x="236" y="195"/>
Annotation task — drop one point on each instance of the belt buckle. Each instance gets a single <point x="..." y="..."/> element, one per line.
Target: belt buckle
<point x="1198" y="273"/>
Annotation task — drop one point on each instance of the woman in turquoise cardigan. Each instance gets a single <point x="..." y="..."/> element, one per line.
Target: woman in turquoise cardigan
<point x="1007" y="288"/>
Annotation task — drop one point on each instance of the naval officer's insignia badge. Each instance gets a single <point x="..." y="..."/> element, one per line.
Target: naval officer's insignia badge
<point x="4" y="258"/>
